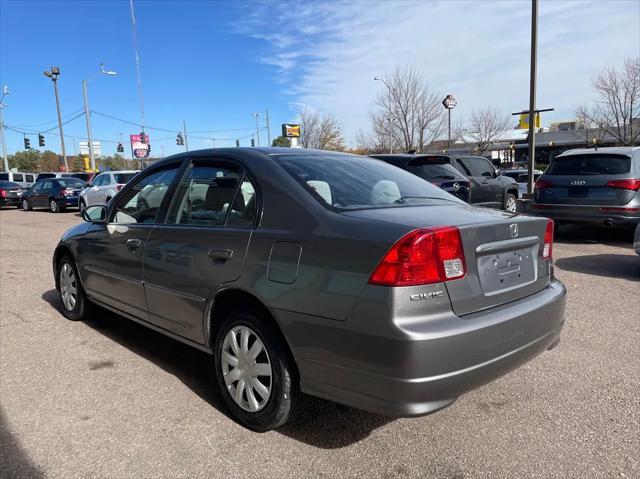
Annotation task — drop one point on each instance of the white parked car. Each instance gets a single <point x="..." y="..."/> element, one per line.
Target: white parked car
<point x="23" y="179"/>
<point x="104" y="186"/>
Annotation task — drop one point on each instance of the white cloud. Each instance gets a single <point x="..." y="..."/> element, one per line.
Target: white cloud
<point x="327" y="53"/>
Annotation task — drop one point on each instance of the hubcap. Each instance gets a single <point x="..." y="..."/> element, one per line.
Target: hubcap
<point x="54" y="206"/>
<point x="25" y="205"/>
<point x="246" y="368"/>
<point x="68" y="287"/>
<point x="511" y="205"/>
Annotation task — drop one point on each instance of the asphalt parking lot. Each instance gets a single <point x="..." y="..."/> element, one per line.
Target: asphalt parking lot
<point x="109" y="398"/>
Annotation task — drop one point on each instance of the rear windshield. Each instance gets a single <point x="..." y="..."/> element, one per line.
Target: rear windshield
<point x="431" y="171"/>
<point x="46" y="175"/>
<point x="123" y="178"/>
<point x="592" y="164"/>
<point x="352" y="182"/>
<point x="71" y="182"/>
<point x="81" y="176"/>
<point x="9" y="184"/>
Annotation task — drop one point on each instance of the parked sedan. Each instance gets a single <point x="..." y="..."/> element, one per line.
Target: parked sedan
<point x="593" y="186"/>
<point x="10" y="193"/>
<point x="104" y="187"/>
<point x="315" y="272"/>
<point x="434" y="169"/>
<point x="53" y="193"/>
<point x="521" y="176"/>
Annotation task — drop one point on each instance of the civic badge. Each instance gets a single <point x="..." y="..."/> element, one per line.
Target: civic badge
<point x="513" y="230"/>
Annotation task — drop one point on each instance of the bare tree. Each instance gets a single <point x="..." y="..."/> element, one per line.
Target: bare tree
<point x="320" y="132"/>
<point x="485" y="125"/>
<point x="410" y="115"/>
<point x="618" y="102"/>
<point x="593" y="132"/>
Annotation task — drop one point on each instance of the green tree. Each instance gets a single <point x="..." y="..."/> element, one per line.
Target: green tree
<point x="26" y="160"/>
<point x="281" y="141"/>
<point x="49" y="161"/>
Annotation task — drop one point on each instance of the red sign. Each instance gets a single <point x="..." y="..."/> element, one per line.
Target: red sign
<point x="138" y="148"/>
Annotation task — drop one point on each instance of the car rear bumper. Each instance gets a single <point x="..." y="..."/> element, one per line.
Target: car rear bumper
<point x="68" y="202"/>
<point x="425" y="364"/>
<point x="10" y="201"/>
<point x="606" y="215"/>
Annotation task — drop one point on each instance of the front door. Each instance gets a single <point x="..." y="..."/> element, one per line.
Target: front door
<point x="114" y="272"/>
<point x="201" y="245"/>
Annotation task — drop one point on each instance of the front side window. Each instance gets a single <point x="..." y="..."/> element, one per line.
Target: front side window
<point x="141" y="203"/>
<point x="28" y="178"/>
<point x="18" y="177"/>
<point x="99" y="181"/>
<point x="123" y="178"/>
<point x="71" y="183"/>
<point x="210" y="196"/>
<point x="478" y="167"/>
<point x="351" y="182"/>
<point x="591" y="164"/>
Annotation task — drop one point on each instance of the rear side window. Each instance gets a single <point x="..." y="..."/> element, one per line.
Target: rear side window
<point x="28" y="178"/>
<point x="123" y="178"/>
<point x="591" y="164"/>
<point x="4" y="176"/>
<point x="18" y="177"/>
<point x="432" y="171"/>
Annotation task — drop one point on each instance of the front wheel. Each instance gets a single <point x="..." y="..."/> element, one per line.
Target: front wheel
<point x="75" y="304"/>
<point x="255" y="372"/>
<point x="510" y="203"/>
<point x="82" y="205"/>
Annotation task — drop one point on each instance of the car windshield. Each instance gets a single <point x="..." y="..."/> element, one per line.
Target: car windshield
<point x="71" y="183"/>
<point x="353" y="182"/>
<point x="590" y="164"/>
<point x="9" y="184"/>
<point x="123" y="178"/>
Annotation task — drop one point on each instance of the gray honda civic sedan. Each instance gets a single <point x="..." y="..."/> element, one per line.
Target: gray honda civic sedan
<point x="320" y="273"/>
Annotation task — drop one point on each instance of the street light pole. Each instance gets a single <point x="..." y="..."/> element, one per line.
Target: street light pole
<point x="53" y="73"/>
<point x="87" y="111"/>
<point x="5" y="161"/>
<point x="268" y="129"/>
<point x="256" y="116"/>
<point x="532" y="96"/>
<point x="449" y="103"/>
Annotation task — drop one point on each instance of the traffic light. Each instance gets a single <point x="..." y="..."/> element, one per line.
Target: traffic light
<point x="253" y="142"/>
<point x="149" y="149"/>
<point x="120" y="148"/>
<point x="41" y="140"/>
<point x="179" y="139"/>
<point x="27" y="143"/>
<point x="143" y="138"/>
<point x="237" y="142"/>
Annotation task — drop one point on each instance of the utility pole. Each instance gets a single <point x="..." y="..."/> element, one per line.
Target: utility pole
<point x="53" y="74"/>
<point x="213" y="142"/>
<point x="532" y="97"/>
<point x="184" y="130"/>
<point x="256" y="116"/>
<point x="5" y="161"/>
<point x="268" y="129"/>
<point x="87" y="116"/>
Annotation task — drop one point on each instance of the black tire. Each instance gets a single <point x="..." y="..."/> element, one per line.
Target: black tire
<point x="285" y="396"/>
<point x="54" y="207"/>
<point x="26" y="205"/>
<point x="510" y="203"/>
<point x="81" y="205"/>
<point x="82" y="305"/>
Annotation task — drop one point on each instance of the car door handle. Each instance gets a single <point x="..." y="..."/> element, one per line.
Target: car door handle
<point x="220" y="255"/>
<point x="133" y="243"/>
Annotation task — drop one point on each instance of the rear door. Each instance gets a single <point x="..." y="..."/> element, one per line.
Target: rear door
<point x="588" y="179"/>
<point x="111" y="255"/>
<point x="41" y="198"/>
<point x="201" y="245"/>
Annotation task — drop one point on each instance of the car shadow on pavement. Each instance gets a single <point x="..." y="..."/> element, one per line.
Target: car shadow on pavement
<point x="320" y="423"/>
<point x="622" y="266"/>
<point x="14" y="462"/>
<point x="581" y="234"/>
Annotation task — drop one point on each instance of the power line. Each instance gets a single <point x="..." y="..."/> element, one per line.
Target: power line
<point x="52" y="121"/>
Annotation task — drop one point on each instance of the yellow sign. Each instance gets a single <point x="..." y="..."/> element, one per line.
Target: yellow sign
<point x="523" y="124"/>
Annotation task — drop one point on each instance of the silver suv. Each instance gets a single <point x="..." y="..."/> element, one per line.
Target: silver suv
<point x="600" y="187"/>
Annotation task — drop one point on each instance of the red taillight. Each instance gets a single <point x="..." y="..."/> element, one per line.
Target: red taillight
<point x="630" y="184"/>
<point x="423" y="256"/>
<point x="543" y="184"/>
<point x="3" y="193"/>
<point x="66" y="192"/>
<point x="547" y="246"/>
<point x="119" y="187"/>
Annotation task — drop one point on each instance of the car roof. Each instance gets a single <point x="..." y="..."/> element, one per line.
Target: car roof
<point x="119" y="171"/>
<point x="619" y="150"/>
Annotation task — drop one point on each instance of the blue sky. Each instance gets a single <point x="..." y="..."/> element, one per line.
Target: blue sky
<point x="213" y="63"/>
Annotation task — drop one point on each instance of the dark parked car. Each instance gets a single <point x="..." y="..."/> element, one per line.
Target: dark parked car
<point x="434" y="169"/>
<point x="10" y="193"/>
<point x="53" y="193"/>
<point x="315" y="272"/>
<point x="599" y="187"/>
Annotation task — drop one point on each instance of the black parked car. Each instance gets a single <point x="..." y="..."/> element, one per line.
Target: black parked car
<point x="10" y="193"/>
<point x="487" y="186"/>
<point x="434" y="169"/>
<point x="53" y="193"/>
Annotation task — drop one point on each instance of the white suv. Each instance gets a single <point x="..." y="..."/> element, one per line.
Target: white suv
<point x="104" y="186"/>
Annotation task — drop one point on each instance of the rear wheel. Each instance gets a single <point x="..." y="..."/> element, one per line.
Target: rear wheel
<point x="510" y="203"/>
<point x="82" y="205"/>
<point x="75" y="304"/>
<point x="26" y="206"/>
<point x="54" y="207"/>
<point x="255" y="371"/>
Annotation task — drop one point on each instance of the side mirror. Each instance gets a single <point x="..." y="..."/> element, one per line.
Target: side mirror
<point x="95" y="214"/>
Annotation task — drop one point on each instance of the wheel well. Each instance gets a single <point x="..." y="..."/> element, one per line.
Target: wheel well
<point x="513" y="192"/>
<point x="230" y="300"/>
<point x="61" y="250"/>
